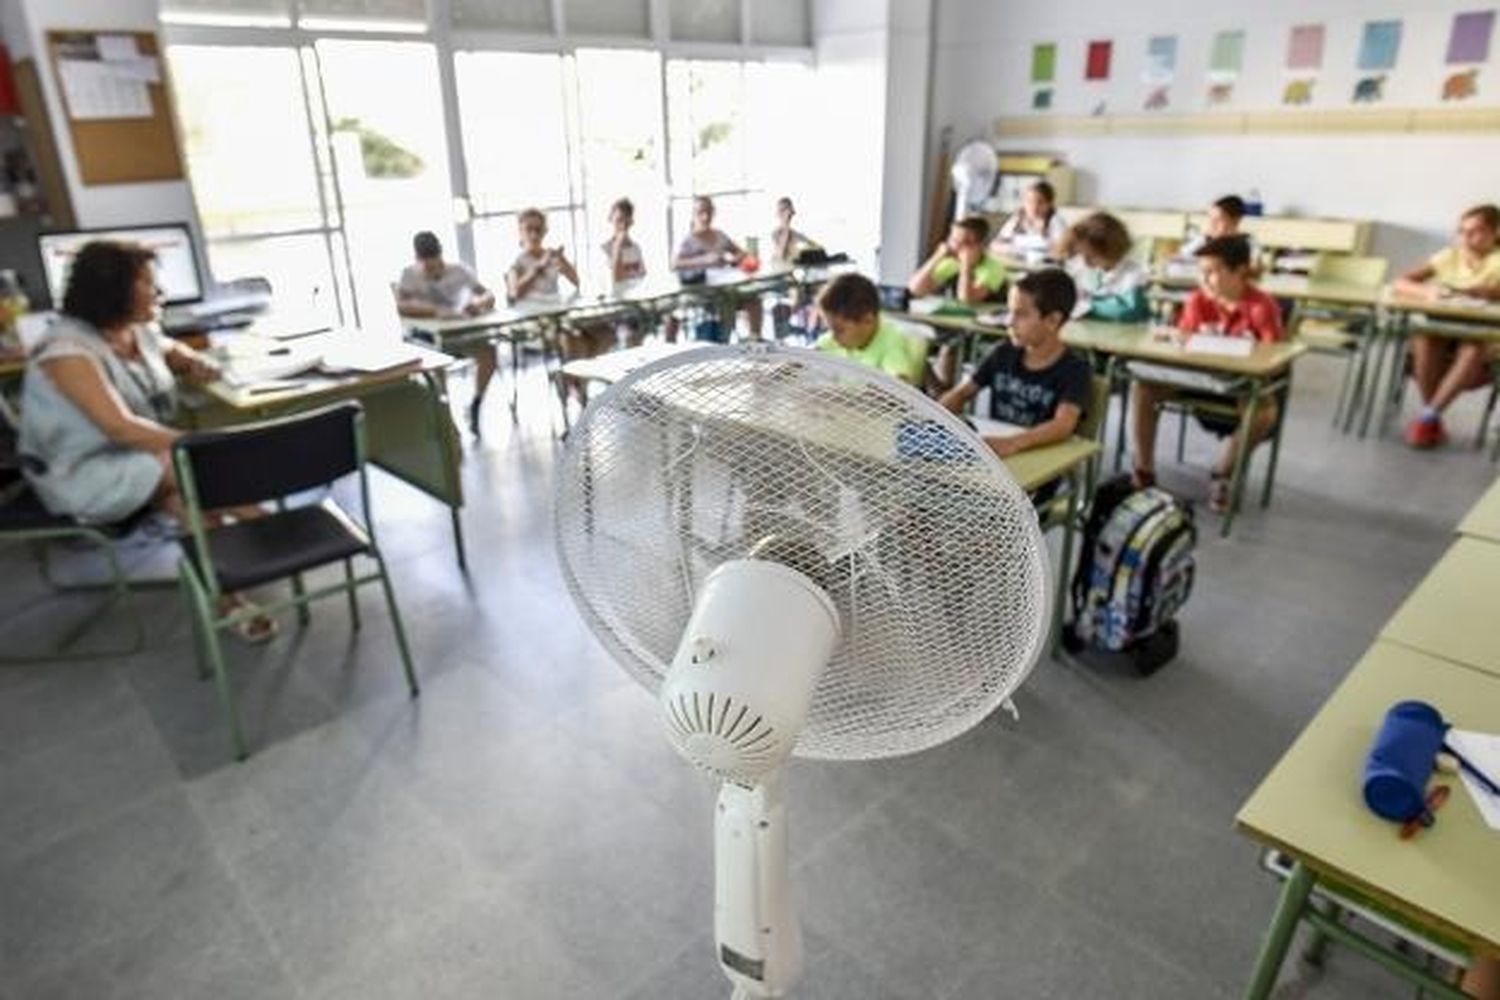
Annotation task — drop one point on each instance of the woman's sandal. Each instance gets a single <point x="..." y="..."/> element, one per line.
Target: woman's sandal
<point x="254" y="629"/>
<point x="1218" y="493"/>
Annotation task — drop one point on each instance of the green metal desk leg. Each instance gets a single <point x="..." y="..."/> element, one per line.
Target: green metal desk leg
<point x="1116" y="373"/>
<point x="1059" y="614"/>
<point x="1391" y="402"/>
<point x="515" y="377"/>
<point x="1283" y="401"/>
<point x="1388" y="334"/>
<point x="1241" y="460"/>
<point x="1279" y="937"/>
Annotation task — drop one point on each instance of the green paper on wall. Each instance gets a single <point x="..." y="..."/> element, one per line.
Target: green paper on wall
<point x="1043" y="63"/>
<point x="1229" y="52"/>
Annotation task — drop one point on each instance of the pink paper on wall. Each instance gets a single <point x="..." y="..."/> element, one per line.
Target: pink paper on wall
<point x="1305" y="47"/>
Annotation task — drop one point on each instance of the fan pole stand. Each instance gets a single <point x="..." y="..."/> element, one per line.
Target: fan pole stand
<point x="755" y="924"/>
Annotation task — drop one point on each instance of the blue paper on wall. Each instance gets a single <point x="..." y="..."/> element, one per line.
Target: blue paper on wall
<point x="1380" y="45"/>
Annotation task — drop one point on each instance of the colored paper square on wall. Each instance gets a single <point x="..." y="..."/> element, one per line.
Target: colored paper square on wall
<point x="1043" y="63"/>
<point x="1380" y="45"/>
<point x="1470" y="40"/>
<point x="1305" y="47"/>
<point x="1228" y="53"/>
<point x="1097" y="67"/>
<point x="1161" y="59"/>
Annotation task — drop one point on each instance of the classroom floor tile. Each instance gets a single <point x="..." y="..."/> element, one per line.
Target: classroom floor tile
<point x="522" y="830"/>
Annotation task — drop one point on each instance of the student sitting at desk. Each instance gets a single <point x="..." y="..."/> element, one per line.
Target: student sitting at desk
<point x="447" y="289"/>
<point x="705" y="247"/>
<point x="622" y="252"/>
<point x="786" y="242"/>
<point x="1223" y="219"/>
<point x="850" y="305"/>
<point x="1442" y="366"/>
<point x="1036" y="228"/>
<point x="1111" y="284"/>
<point x="1036" y="382"/>
<point x="1226" y="303"/>
<point x="960" y="266"/>
<point x="534" y="276"/>
<point x="98" y="395"/>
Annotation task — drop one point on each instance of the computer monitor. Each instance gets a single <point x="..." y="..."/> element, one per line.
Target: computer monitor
<point x="176" y="260"/>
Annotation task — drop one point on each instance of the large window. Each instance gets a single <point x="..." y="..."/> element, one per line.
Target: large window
<point x="314" y="158"/>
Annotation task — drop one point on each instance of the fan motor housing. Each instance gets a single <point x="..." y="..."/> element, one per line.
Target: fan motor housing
<point x="744" y="674"/>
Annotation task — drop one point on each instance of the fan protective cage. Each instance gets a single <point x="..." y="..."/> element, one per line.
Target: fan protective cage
<point x="927" y="547"/>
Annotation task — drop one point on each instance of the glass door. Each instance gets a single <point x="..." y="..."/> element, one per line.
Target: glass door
<point x="389" y="154"/>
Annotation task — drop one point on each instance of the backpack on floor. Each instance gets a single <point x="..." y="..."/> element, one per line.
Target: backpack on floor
<point x="1135" y="570"/>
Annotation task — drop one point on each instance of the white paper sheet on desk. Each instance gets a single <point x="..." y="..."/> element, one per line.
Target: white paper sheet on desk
<point x="995" y="428"/>
<point x="1483" y="751"/>
<point x="1228" y="347"/>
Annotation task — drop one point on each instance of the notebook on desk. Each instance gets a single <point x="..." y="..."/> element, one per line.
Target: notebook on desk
<point x="1226" y="347"/>
<point x="362" y="356"/>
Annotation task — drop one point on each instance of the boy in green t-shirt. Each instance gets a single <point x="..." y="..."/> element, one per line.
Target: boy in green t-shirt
<point x="962" y="265"/>
<point x="850" y="305"/>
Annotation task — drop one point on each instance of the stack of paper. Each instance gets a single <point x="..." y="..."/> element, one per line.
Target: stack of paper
<point x="1229" y="347"/>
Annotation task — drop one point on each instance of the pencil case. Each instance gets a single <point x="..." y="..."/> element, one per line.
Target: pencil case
<point x="1401" y="760"/>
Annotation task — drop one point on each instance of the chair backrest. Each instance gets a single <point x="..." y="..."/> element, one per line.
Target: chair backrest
<point x="270" y="460"/>
<point x="1092" y="424"/>
<point x="1346" y="269"/>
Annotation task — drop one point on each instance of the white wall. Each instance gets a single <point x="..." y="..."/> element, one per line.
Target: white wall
<point x="874" y="66"/>
<point x="111" y="204"/>
<point x="1412" y="185"/>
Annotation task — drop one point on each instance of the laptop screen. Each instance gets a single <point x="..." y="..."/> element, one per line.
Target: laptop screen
<point x="176" y="262"/>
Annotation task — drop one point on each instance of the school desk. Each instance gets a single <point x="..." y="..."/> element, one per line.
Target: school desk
<point x="1451" y="612"/>
<point x="1445" y="882"/>
<point x="1483" y="519"/>
<point x="408" y="426"/>
<point x="1031" y="469"/>
<point x="1264" y="373"/>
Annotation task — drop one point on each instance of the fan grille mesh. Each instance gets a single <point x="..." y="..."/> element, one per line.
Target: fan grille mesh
<point x="929" y="549"/>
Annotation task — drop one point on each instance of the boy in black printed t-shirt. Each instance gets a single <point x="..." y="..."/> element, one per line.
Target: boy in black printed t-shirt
<point x="1036" y="383"/>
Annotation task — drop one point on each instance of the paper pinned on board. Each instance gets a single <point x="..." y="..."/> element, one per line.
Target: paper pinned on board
<point x="1483" y="751"/>
<point x="117" y="48"/>
<point x="97" y="90"/>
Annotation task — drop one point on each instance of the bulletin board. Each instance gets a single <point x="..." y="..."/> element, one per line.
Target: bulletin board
<point x="141" y="144"/>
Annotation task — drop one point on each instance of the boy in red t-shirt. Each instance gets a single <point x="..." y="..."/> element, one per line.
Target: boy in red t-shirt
<point x="1226" y="303"/>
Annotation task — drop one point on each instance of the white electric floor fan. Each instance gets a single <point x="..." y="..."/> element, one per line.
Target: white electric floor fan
<point x="797" y="555"/>
<point x="975" y="167"/>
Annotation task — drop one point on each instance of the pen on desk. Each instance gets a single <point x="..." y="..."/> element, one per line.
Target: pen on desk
<point x="269" y="387"/>
<point x="1479" y="776"/>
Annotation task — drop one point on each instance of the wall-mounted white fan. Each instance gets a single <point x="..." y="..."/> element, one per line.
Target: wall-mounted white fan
<point x="797" y="555"/>
<point x="975" y="167"/>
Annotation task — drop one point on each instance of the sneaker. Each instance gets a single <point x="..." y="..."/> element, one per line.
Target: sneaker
<point x="474" y="415"/>
<point x="1425" y="433"/>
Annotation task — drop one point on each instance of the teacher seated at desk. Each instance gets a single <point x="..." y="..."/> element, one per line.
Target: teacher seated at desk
<point x="99" y="394"/>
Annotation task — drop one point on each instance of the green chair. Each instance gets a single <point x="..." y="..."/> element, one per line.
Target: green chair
<point x="249" y="466"/>
<point x="1054" y="512"/>
<point x="23" y="519"/>
<point x="1341" y="332"/>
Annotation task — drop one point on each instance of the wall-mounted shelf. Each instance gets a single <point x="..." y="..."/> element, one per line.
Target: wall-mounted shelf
<point x="1375" y="120"/>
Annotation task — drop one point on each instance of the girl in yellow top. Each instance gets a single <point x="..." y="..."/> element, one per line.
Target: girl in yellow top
<point x="1442" y="366"/>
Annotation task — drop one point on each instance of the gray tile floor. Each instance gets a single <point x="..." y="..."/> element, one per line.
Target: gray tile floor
<point x="523" y="831"/>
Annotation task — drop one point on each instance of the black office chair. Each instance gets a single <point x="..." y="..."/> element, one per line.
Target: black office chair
<point x="263" y="462"/>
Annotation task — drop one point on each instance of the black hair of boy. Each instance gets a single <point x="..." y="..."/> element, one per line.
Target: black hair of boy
<point x="849" y="296"/>
<point x="1046" y="190"/>
<point x="1231" y="251"/>
<point x="1232" y="205"/>
<point x="427" y="246"/>
<point x="1052" y="290"/>
<point x="624" y="206"/>
<point x="975" y="225"/>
